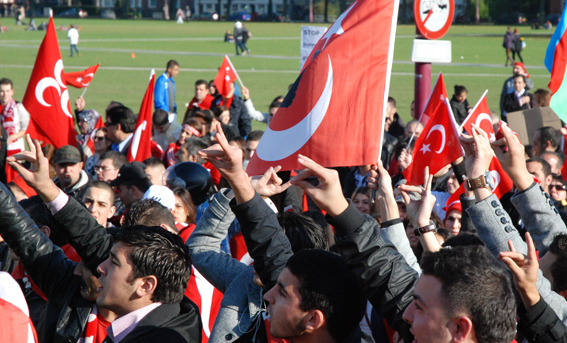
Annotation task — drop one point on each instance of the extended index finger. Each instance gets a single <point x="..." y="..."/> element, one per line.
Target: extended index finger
<point x="317" y="170"/>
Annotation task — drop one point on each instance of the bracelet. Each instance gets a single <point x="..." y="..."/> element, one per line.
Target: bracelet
<point x="425" y="229"/>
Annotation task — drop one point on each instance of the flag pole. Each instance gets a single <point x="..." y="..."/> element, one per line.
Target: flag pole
<point x="83" y="94"/>
<point x="422" y="112"/>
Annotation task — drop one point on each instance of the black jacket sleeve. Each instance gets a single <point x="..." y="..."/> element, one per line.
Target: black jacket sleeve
<point x="47" y="265"/>
<point x="541" y="324"/>
<point x="265" y="239"/>
<point x="466" y="221"/>
<point x="387" y="280"/>
<point x="84" y="233"/>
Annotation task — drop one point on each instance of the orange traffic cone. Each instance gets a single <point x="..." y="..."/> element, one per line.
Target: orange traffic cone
<point x="133" y="55"/>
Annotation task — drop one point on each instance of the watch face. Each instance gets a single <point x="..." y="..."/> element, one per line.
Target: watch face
<point x="493" y="179"/>
<point x="433" y="17"/>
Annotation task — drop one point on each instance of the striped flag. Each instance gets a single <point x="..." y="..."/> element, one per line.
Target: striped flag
<point x="556" y="63"/>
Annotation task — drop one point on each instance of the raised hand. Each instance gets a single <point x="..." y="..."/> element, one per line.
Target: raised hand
<point x="380" y="180"/>
<point x="419" y="211"/>
<point x="270" y="183"/>
<point x="478" y="153"/>
<point x="513" y="161"/>
<point x="328" y="194"/>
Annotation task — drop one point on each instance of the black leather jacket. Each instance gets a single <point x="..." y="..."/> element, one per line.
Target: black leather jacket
<point x="52" y="271"/>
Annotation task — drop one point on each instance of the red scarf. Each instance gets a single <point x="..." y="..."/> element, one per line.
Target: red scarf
<point x="95" y="331"/>
<point x="205" y="104"/>
<point x="10" y="117"/>
<point x="221" y="102"/>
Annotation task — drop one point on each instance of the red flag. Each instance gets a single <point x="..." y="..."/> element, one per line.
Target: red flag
<point x="90" y="141"/>
<point x="80" y="79"/>
<point x="502" y="182"/>
<point x="141" y="145"/>
<point x="225" y="76"/>
<point x="480" y="116"/>
<point x="438" y="95"/>
<point x="47" y="97"/>
<point x="437" y="146"/>
<point x="455" y="199"/>
<point x="344" y="82"/>
<point x="17" y="326"/>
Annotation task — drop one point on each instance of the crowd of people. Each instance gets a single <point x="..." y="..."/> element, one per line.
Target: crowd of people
<point x="186" y="247"/>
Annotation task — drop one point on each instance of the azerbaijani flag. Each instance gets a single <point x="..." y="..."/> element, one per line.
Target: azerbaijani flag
<point x="556" y="63"/>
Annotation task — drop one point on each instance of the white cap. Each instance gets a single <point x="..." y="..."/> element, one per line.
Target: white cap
<point x="161" y="194"/>
<point x="238" y="25"/>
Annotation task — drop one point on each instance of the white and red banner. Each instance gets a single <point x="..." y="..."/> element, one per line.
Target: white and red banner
<point x="81" y="79"/>
<point x="47" y="97"/>
<point x="17" y="326"/>
<point x="436" y="98"/>
<point x="480" y="116"/>
<point x="141" y="145"/>
<point x="437" y="146"/>
<point x="225" y="76"/>
<point x="334" y="111"/>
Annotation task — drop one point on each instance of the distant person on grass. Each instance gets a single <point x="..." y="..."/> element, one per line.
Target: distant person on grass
<point x="73" y="35"/>
<point x="509" y="40"/>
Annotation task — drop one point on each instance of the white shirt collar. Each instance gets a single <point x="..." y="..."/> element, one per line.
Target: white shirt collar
<point x="124" y="325"/>
<point x="124" y="142"/>
<point x="520" y="93"/>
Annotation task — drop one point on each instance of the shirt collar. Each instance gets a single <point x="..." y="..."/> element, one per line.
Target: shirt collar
<point x="124" y="142"/>
<point x="520" y="93"/>
<point x="124" y="325"/>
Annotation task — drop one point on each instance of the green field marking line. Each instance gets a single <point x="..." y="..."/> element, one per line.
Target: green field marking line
<point x="126" y="40"/>
<point x="254" y="71"/>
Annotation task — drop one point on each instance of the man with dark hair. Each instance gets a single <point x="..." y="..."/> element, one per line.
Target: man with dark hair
<point x="68" y="166"/>
<point x="120" y="123"/>
<point x="202" y="99"/>
<point x="165" y="131"/>
<point x="239" y="118"/>
<point x="164" y="91"/>
<point x="149" y="212"/>
<point x="15" y="120"/>
<point x="252" y="141"/>
<point x="98" y="197"/>
<point x="467" y="290"/>
<point x="545" y="139"/>
<point x="154" y="170"/>
<point x="540" y="169"/>
<point x="188" y="152"/>
<point x="109" y="165"/>
<point x="393" y="122"/>
<point x="520" y="99"/>
<point x="132" y="182"/>
<point x="553" y="264"/>
<point x="555" y="160"/>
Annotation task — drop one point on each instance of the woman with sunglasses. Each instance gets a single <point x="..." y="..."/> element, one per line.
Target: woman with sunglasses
<point x="101" y="144"/>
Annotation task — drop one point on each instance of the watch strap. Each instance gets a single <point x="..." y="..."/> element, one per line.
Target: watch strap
<point x="425" y="229"/>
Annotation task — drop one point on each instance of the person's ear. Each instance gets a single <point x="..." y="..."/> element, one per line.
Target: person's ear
<point x="314" y="320"/>
<point x="563" y="293"/>
<point x="461" y="329"/>
<point x="45" y="230"/>
<point x="147" y="286"/>
<point x="111" y="212"/>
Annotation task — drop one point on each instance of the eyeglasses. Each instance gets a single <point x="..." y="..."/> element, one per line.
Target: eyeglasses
<point x="557" y="187"/>
<point x="104" y="169"/>
<point x="99" y="138"/>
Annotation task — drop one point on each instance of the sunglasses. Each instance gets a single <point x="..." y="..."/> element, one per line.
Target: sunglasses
<point x="98" y="138"/>
<point x="557" y="187"/>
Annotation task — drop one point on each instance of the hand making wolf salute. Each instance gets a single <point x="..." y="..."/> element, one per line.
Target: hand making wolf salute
<point x="133" y="299"/>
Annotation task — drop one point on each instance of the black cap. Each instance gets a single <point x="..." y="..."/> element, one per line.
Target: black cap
<point x="67" y="154"/>
<point x="132" y="173"/>
<point x="191" y="176"/>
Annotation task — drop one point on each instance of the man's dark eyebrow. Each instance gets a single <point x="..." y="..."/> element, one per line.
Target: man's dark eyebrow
<point x="418" y="298"/>
<point x="114" y="257"/>
<point x="282" y="287"/>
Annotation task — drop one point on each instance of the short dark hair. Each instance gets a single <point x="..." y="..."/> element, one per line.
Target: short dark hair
<point x="544" y="165"/>
<point x="219" y="110"/>
<point x="153" y="162"/>
<point x="201" y="82"/>
<point x="124" y="116"/>
<point x="392" y="101"/>
<point x="326" y="284"/>
<point x="302" y="232"/>
<point x="275" y="104"/>
<point x="519" y="75"/>
<point x="117" y="158"/>
<point x="254" y="136"/>
<point x="547" y="133"/>
<point x="187" y="201"/>
<point x="160" y="117"/>
<point x="460" y="89"/>
<point x="463" y="239"/>
<point x="171" y="64"/>
<point x="193" y="145"/>
<point x="6" y="81"/>
<point x="474" y="282"/>
<point x="155" y="251"/>
<point x="558" y="247"/>
<point x="101" y="185"/>
<point x="149" y="212"/>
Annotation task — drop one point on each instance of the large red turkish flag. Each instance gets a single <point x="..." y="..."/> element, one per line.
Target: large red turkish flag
<point x="334" y="111"/>
<point x="436" y="98"/>
<point x="80" y="79"/>
<point x="47" y="97"/>
<point x="480" y="116"/>
<point x="141" y="145"/>
<point x="437" y="146"/>
<point x="225" y="76"/>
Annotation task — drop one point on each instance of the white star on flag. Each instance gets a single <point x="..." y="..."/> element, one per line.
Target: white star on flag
<point x="79" y="79"/>
<point x="227" y="78"/>
<point x="425" y="148"/>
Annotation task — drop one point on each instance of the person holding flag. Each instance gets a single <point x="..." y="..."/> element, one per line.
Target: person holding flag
<point x="239" y="118"/>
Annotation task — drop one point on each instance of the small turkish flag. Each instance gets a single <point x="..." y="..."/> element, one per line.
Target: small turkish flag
<point x="480" y="116"/>
<point x="81" y="79"/>
<point x="344" y="82"/>
<point x="225" y="76"/>
<point x="141" y="145"/>
<point x="454" y="199"/>
<point x="502" y="182"/>
<point x="438" y="95"/>
<point x="437" y="146"/>
<point x="47" y="97"/>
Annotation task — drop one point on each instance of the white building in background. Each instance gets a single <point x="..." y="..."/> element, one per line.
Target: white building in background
<point x="259" y="6"/>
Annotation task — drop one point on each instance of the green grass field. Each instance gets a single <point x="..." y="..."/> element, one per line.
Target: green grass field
<point x="478" y="59"/>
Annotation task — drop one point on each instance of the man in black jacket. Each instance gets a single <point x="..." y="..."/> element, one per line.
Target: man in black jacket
<point x="134" y="283"/>
<point x="239" y="118"/>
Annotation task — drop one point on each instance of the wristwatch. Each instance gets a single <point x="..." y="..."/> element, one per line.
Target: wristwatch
<point x="425" y="229"/>
<point x="484" y="181"/>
